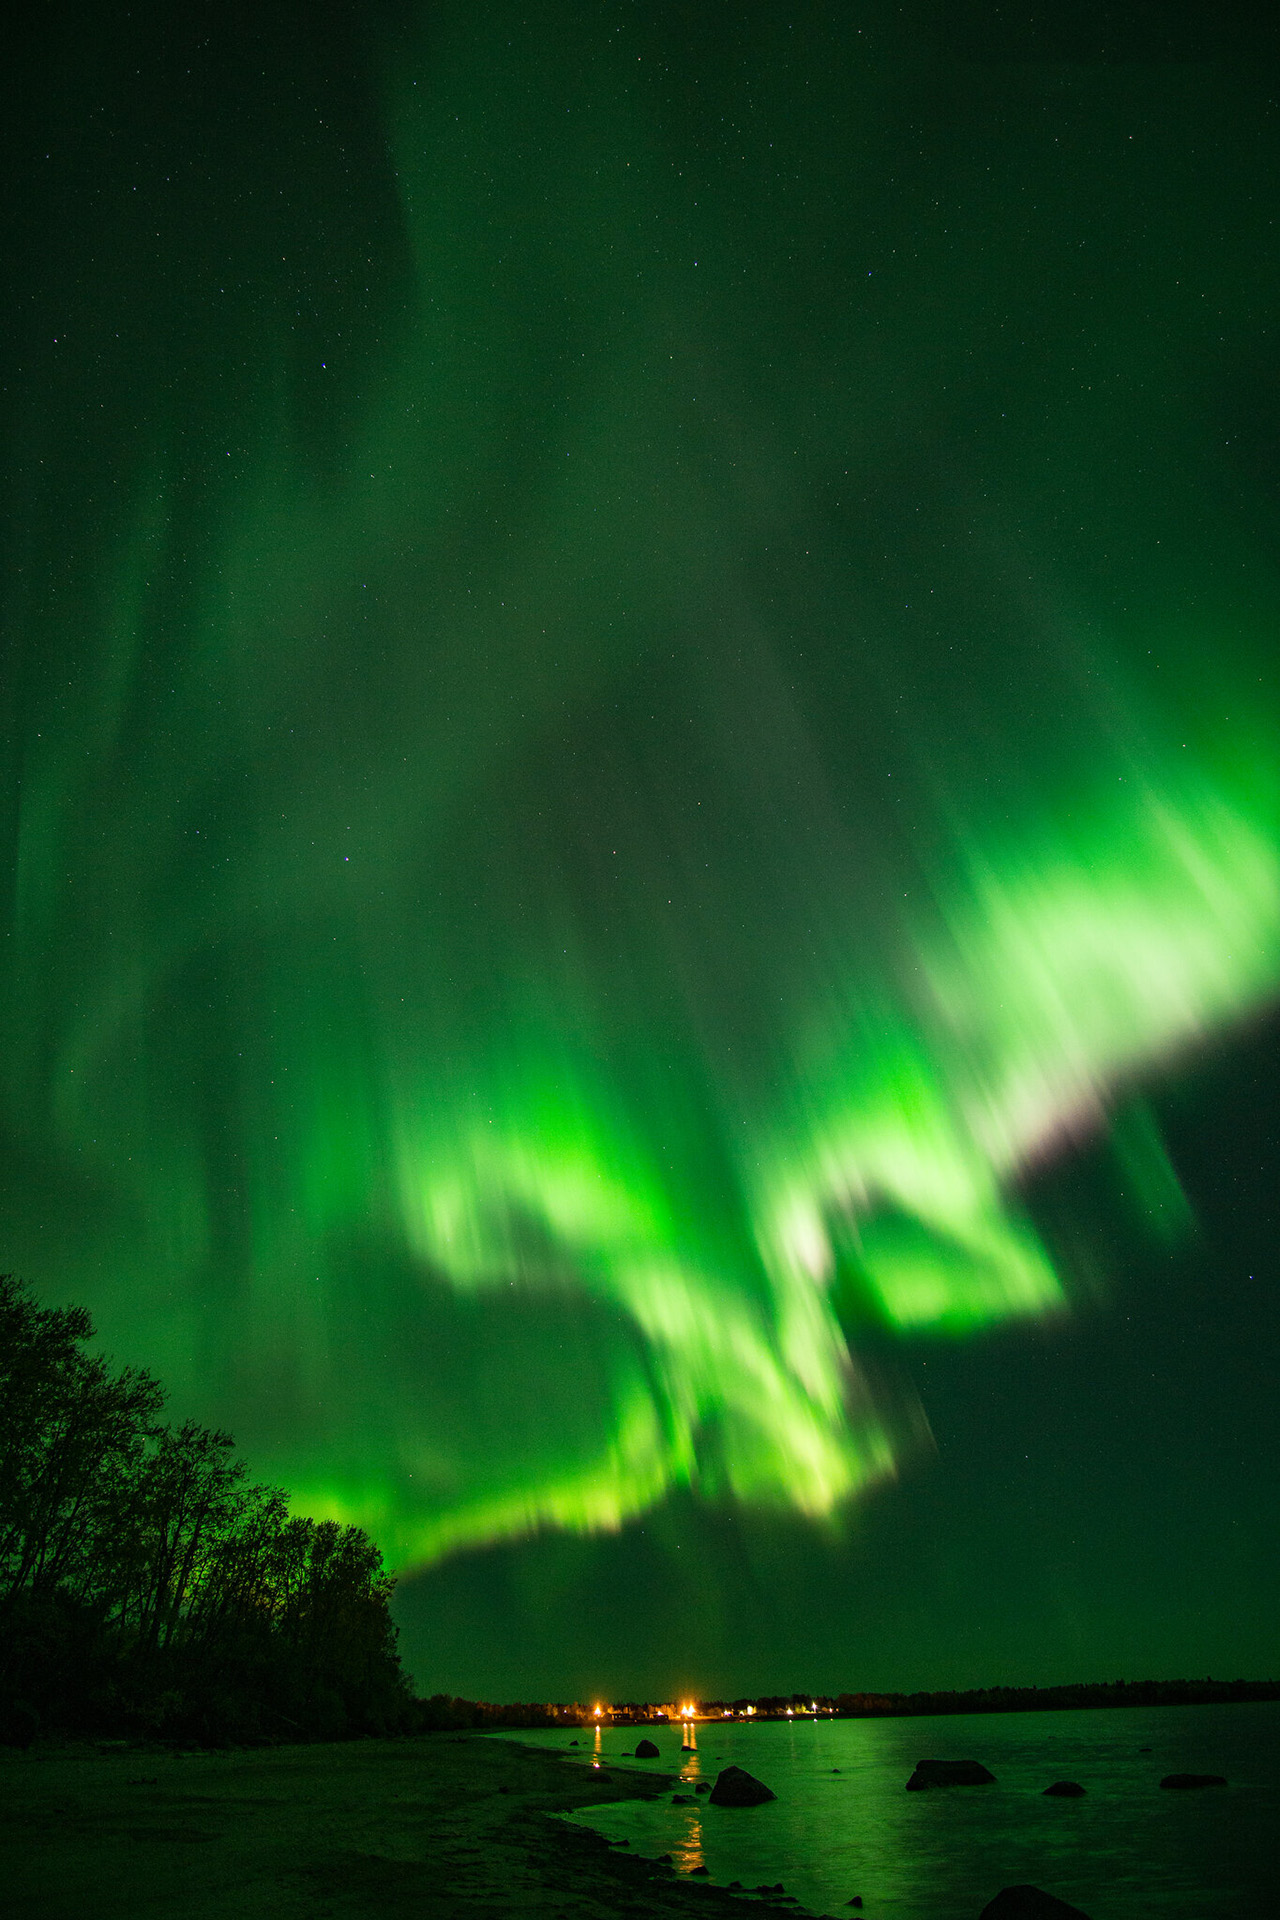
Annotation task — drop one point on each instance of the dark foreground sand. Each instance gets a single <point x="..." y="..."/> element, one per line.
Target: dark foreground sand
<point x="430" y="1827"/>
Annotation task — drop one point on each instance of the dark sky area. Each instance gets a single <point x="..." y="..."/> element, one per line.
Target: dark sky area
<point x="640" y="812"/>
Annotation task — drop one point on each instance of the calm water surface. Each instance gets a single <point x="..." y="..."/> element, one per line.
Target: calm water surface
<point x="1125" y="1850"/>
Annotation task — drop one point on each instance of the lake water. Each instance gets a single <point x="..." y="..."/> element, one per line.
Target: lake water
<point x="1126" y="1849"/>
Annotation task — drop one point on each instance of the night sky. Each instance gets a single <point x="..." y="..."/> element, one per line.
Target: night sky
<point x="640" y="812"/>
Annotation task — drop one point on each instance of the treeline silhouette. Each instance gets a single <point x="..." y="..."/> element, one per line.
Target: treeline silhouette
<point x="445" y="1713"/>
<point x="148" y="1587"/>
<point x="1098" y="1693"/>
<point x="1071" y="1695"/>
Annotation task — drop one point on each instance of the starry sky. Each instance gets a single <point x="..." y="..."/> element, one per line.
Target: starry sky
<point x="641" y="758"/>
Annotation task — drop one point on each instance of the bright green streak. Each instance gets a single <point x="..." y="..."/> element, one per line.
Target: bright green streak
<point x="492" y="1004"/>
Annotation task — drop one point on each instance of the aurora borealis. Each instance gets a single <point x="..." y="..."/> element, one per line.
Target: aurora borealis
<point x="640" y="692"/>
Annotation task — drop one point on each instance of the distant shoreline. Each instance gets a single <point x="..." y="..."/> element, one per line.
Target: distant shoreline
<point x="1114" y="1693"/>
<point x="443" y="1713"/>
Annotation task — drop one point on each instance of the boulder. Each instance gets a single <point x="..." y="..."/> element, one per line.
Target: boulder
<point x="645" y="1750"/>
<point x="949" y="1773"/>
<point x="697" y="1870"/>
<point x="682" y="1800"/>
<point x="1193" y="1780"/>
<point x="735" y="1787"/>
<point x="1064" y="1790"/>
<point x="703" y="1786"/>
<point x="1029" y="1903"/>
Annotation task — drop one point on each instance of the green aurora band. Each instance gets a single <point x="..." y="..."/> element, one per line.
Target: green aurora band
<point x="516" y="951"/>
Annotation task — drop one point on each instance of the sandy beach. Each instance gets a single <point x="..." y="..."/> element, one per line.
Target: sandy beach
<point x="436" y="1826"/>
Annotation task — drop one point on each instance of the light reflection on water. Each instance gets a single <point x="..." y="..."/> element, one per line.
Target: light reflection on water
<point x="843" y="1824"/>
<point x="686" y="1850"/>
<point x="687" y="1854"/>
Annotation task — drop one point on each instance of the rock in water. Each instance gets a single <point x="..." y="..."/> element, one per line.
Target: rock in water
<point x="1029" y="1903"/>
<point x="646" y="1750"/>
<point x="1065" y="1789"/>
<point x="949" y="1773"/>
<point x="1193" y="1780"/>
<point x="735" y="1787"/>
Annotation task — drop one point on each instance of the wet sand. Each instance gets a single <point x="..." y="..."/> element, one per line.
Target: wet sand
<point x="433" y="1827"/>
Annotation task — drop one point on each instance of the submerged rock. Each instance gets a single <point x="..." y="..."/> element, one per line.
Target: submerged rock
<point x="645" y="1750"/>
<point x="682" y="1799"/>
<point x="1065" y="1790"/>
<point x="1193" y="1780"/>
<point x="735" y="1787"/>
<point x="1029" y="1903"/>
<point x="949" y="1773"/>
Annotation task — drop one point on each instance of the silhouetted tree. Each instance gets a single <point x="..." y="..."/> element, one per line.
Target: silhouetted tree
<point x="68" y="1431"/>
<point x="146" y="1583"/>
